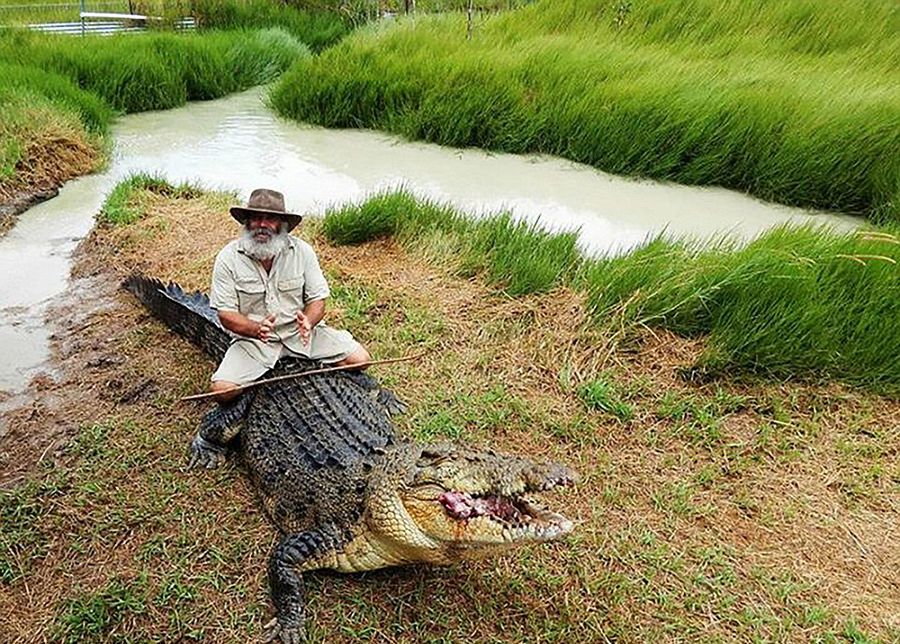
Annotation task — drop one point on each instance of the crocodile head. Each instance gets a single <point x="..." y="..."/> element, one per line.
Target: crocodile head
<point x="459" y="503"/>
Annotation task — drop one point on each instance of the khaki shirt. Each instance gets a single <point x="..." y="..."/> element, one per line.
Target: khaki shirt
<point x="240" y="283"/>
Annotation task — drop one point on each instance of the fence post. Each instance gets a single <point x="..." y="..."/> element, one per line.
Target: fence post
<point x="81" y="15"/>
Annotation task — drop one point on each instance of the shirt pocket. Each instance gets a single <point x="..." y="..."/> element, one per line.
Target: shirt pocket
<point x="251" y="297"/>
<point x="290" y="294"/>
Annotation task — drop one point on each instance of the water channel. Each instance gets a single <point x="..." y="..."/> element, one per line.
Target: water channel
<point x="235" y="143"/>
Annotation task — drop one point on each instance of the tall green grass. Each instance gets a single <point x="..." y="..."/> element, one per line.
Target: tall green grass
<point x="792" y="101"/>
<point x="27" y="81"/>
<point x="21" y="12"/>
<point x="135" y="73"/>
<point x="518" y="256"/>
<point x="39" y="107"/>
<point x="318" y="29"/>
<point x="797" y="302"/>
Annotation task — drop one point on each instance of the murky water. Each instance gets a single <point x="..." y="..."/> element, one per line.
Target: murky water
<point x="235" y="143"/>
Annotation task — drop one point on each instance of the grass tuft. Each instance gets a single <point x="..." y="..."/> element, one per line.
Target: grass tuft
<point x="22" y="541"/>
<point x="121" y="206"/>
<point x="91" y="615"/>
<point x="518" y="256"/>
<point x="602" y="395"/>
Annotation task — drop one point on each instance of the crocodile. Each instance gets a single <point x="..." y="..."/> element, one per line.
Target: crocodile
<point x="343" y="489"/>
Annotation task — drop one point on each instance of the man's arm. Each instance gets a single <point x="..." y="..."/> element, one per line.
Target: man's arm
<point x="242" y="325"/>
<point x="315" y="290"/>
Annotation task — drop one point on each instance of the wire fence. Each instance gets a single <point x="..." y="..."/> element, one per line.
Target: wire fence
<point x="117" y="16"/>
<point x="101" y="17"/>
<point x="37" y="13"/>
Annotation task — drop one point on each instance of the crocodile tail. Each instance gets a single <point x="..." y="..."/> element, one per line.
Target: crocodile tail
<point x="187" y="314"/>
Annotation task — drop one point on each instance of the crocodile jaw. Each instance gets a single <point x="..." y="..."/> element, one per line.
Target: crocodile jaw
<point x="470" y="526"/>
<point x="519" y="518"/>
<point x="471" y="499"/>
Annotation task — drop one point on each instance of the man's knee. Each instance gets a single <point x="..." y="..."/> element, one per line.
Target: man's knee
<point x="357" y="358"/>
<point x="224" y="390"/>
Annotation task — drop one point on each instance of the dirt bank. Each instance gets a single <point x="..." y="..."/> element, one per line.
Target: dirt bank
<point x="723" y="510"/>
<point x="46" y="164"/>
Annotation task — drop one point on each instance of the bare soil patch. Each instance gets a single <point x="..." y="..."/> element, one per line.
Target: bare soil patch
<point x="719" y="511"/>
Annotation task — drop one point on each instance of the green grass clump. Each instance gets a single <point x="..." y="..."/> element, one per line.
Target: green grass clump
<point x="121" y="207"/>
<point x="796" y="302"/>
<point x="27" y="81"/>
<point x="38" y="106"/>
<point x="43" y="115"/>
<point x="22" y="539"/>
<point x="134" y="73"/>
<point x="91" y="615"/>
<point x="518" y="256"/>
<point x="789" y="101"/>
<point x="28" y="119"/>
<point x="602" y="395"/>
<point x="318" y="29"/>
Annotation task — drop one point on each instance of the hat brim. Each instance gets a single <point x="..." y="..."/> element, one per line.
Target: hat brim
<point x="242" y="214"/>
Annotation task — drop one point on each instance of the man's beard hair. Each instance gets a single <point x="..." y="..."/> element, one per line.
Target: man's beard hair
<point x="263" y="250"/>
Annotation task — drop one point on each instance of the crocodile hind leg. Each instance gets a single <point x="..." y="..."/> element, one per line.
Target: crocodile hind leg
<point x="291" y="555"/>
<point x="219" y="426"/>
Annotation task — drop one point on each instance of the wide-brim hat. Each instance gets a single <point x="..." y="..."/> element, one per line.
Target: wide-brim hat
<point x="268" y="202"/>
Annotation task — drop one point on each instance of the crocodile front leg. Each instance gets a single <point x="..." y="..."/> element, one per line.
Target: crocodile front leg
<point x="219" y="426"/>
<point x="291" y="555"/>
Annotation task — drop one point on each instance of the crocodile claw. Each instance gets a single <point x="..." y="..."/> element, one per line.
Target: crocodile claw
<point x="391" y="404"/>
<point x="205" y="454"/>
<point x="283" y="633"/>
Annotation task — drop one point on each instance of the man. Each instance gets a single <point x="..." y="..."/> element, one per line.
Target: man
<point x="269" y="290"/>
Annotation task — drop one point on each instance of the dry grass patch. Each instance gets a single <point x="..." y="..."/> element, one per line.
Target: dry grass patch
<point x="715" y="511"/>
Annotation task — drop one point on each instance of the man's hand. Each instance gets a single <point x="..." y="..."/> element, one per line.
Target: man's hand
<point x="265" y="328"/>
<point x="304" y="326"/>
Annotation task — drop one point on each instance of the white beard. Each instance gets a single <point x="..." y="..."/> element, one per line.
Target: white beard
<point x="262" y="250"/>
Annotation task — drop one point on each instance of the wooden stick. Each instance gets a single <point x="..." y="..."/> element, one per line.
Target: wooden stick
<point x="289" y="376"/>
